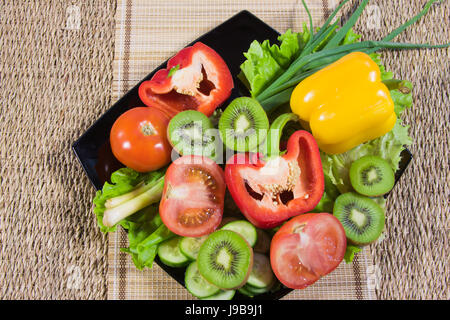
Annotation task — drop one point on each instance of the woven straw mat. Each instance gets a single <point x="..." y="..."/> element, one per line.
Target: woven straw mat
<point x="55" y="80"/>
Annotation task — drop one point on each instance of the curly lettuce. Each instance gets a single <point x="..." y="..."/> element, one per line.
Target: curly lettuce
<point x="265" y="62"/>
<point x="144" y="227"/>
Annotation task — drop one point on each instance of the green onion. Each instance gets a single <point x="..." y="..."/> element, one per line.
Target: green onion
<point x="330" y="18"/>
<point x="347" y="26"/>
<point x="142" y="197"/>
<point x="311" y="26"/>
<point x="309" y="62"/>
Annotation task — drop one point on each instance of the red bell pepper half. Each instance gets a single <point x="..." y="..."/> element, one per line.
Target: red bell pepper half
<point x="196" y="78"/>
<point x="271" y="190"/>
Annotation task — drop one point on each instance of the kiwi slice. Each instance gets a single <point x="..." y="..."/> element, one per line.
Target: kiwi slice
<point x="372" y="176"/>
<point x="361" y="217"/>
<point x="225" y="259"/>
<point x="189" y="132"/>
<point x="243" y="125"/>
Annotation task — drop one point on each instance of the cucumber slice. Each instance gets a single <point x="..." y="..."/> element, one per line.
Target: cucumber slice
<point x="196" y="284"/>
<point x="256" y="291"/>
<point x="222" y="295"/>
<point x="261" y="275"/>
<point x="170" y="254"/>
<point x="190" y="246"/>
<point x="245" y="229"/>
<point x="246" y="292"/>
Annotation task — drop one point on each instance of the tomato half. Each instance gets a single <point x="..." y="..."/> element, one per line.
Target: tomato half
<point x="193" y="196"/>
<point x="139" y="139"/>
<point x="306" y="248"/>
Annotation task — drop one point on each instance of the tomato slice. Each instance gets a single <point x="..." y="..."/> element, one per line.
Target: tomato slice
<point x="306" y="248"/>
<point x="193" y="196"/>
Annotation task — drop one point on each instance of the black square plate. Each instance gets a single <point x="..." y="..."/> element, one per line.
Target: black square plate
<point x="230" y="40"/>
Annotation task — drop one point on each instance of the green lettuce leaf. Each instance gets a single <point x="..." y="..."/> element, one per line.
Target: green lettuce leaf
<point x="389" y="147"/>
<point x="325" y="204"/>
<point x="330" y="194"/>
<point x="385" y="75"/>
<point x="265" y="62"/>
<point x="141" y="226"/>
<point x="259" y="67"/>
<point x="122" y="181"/>
<point x="350" y="253"/>
<point x="401" y="94"/>
<point x="288" y="49"/>
<point x="350" y="37"/>
<point x="145" y="234"/>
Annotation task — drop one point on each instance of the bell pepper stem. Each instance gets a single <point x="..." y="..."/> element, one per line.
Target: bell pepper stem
<point x="272" y="144"/>
<point x="404" y="86"/>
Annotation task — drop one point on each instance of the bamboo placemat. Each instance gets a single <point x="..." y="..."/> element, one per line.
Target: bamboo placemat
<point x="146" y="35"/>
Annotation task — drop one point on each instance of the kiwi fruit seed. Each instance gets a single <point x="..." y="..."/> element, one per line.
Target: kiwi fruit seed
<point x="225" y="259"/>
<point x="189" y="133"/>
<point x="361" y="217"/>
<point x="243" y="125"/>
<point x="372" y="176"/>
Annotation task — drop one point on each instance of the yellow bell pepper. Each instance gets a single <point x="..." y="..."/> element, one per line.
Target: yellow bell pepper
<point x="345" y="104"/>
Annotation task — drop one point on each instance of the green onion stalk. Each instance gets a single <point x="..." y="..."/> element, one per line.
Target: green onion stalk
<point x="123" y="206"/>
<point x="314" y="58"/>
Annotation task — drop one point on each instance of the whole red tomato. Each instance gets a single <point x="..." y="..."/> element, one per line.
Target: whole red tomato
<point x="139" y="139"/>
